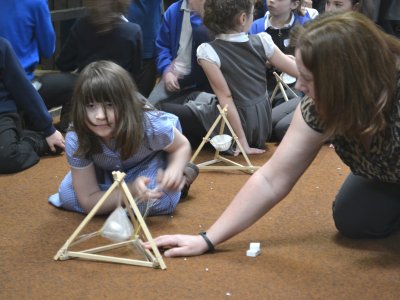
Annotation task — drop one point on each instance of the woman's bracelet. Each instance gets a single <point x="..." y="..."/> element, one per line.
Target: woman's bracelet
<point x="210" y="245"/>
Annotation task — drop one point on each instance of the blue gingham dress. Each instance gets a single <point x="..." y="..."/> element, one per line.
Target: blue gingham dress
<point x="159" y="133"/>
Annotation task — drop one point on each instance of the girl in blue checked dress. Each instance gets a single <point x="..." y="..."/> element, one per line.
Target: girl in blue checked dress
<point x="114" y="130"/>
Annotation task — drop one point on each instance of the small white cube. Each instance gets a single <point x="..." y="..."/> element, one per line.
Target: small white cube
<point x="254" y="250"/>
<point x="254" y="246"/>
<point x="252" y="253"/>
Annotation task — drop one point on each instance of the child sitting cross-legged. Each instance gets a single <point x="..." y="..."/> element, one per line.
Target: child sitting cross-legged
<point x="114" y="130"/>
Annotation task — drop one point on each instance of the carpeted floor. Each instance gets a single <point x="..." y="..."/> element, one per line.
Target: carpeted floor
<point x="302" y="255"/>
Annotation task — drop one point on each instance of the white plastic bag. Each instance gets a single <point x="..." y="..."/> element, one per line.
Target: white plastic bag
<point x="117" y="227"/>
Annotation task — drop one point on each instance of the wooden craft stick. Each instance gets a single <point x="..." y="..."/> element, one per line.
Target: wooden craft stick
<point x="112" y="259"/>
<point x="144" y="226"/>
<point x="89" y="216"/>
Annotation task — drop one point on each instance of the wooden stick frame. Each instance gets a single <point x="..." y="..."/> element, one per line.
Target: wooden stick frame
<point x="231" y="165"/>
<point x="281" y="85"/>
<point x="153" y="260"/>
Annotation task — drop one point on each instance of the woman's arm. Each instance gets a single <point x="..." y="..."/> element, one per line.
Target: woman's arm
<point x="178" y="156"/>
<point x="262" y="191"/>
<point x="223" y="93"/>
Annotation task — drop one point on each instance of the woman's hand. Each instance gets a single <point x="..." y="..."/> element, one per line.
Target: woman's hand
<point x="180" y="245"/>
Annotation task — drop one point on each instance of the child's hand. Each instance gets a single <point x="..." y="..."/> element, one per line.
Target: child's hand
<point x="248" y="150"/>
<point x="140" y="190"/>
<point x="56" y="140"/>
<point x="170" y="179"/>
<point x="171" y="82"/>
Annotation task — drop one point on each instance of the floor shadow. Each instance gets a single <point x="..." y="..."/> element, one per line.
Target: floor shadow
<point x="386" y="251"/>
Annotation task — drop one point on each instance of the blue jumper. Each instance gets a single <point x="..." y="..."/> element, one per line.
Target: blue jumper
<point x="167" y="42"/>
<point x="147" y="14"/>
<point x="26" y="24"/>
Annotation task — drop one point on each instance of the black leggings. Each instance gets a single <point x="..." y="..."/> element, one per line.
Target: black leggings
<point x="15" y="154"/>
<point x="57" y="88"/>
<point x="366" y="208"/>
<point x="191" y="126"/>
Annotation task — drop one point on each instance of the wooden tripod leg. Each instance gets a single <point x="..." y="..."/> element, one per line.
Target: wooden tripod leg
<point x="143" y="225"/>
<point x="86" y="220"/>
<point x="205" y="139"/>
<point x="288" y="87"/>
<point x="279" y="84"/>
<point x="235" y="137"/>
<point x="274" y="94"/>
<point x="280" y="80"/>
<point x="283" y="91"/>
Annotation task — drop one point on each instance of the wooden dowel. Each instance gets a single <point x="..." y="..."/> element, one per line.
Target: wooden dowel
<point x="205" y="139"/>
<point x="112" y="259"/>
<point x="107" y="247"/>
<point x="144" y="226"/>
<point x="89" y="216"/>
<point x="236" y="139"/>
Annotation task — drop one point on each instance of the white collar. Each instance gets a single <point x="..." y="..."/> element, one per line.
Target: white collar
<point x="233" y="37"/>
<point x="185" y="6"/>
<point x="268" y="24"/>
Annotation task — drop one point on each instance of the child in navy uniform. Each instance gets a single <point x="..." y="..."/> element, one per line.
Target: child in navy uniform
<point x="21" y="148"/>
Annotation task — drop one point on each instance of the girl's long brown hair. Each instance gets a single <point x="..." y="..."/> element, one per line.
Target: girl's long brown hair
<point x="106" y="82"/>
<point x="355" y="67"/>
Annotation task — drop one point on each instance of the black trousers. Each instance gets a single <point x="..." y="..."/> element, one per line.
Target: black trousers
<point x="282" y="116"/>
<point x="148" y="77"/>
<point x="191" y="126"/>
<point x="57" y="88"/>
<point x="366" y="208"/>
<point x="15" y="155"/>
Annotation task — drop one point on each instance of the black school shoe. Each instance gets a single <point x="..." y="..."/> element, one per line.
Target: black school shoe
<point x="191" y="172"/>
<point x="39" y="143"/>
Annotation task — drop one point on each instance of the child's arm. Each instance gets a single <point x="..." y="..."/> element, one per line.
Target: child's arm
<point x="178" y="156"/>
<point x="223" y="93"/>
<point x="171" y="80"/>
<point x="89" y="193"/>
<point x="285" y="63"/>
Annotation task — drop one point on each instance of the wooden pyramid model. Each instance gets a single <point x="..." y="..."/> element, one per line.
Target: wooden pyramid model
<point x="281" y="85"/>
<point x="230" y="164"/>
<point x="150" y="259"/>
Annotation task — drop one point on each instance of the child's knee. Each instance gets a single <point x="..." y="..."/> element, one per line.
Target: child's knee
<point x="12" y="160"/>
